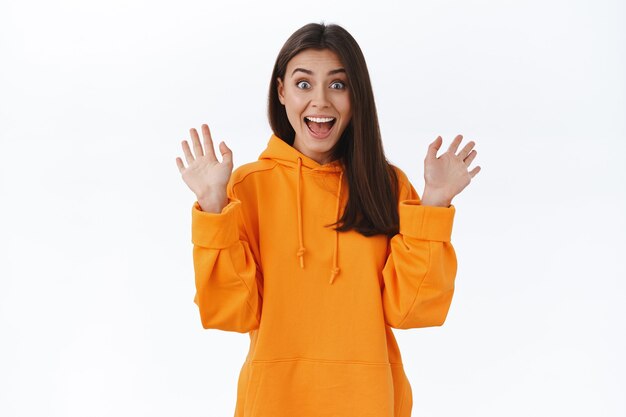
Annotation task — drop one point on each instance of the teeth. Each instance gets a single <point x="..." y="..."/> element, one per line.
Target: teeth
<point x="320" y="119"/>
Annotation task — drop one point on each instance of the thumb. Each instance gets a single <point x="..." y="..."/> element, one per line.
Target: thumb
<point x="227" y="154"/>
<point x="433" y="148"/>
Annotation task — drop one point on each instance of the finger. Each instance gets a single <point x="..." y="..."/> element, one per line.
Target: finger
<point x="455" y="144"/>
<point x="194" y="138"/>
<point x="468" y="160"/>
<point x="197" y="147"/>
<point x="466" y="149"/>
<point x="433" y="148"/>
<point x="227" y="154"/>
<point x="188" y="155"/>
<point x="180" y="165"/>
<point x="208" y="142"/>
<point x="474" y="171"/>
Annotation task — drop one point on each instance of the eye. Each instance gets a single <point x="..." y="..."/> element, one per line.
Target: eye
<point x="303" y="85"/>
<point x="338" y="85"/>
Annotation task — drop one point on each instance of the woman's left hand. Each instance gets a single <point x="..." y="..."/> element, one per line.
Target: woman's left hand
<point x="447" y="175"/>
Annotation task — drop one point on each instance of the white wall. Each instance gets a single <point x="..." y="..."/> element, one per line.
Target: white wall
<point x="96" y="274"/>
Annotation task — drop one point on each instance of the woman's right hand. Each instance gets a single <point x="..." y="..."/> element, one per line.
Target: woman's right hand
<point x="205" y="175"/>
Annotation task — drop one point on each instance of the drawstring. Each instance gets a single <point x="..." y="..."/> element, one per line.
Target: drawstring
<point x="336" y="269"/>
<point x="300" y="253"/>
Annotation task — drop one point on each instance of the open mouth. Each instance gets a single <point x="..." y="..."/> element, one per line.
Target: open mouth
<point x="320" y="127"/>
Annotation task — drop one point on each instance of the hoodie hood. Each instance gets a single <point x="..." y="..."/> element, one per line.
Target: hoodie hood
<point x="280" y="151"/>
<point x="284" y="154"/>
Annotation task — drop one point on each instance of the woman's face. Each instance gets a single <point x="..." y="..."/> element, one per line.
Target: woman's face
<point x="316" y="98"/>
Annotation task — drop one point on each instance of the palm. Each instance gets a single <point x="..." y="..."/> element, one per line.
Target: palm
<point x="448" y="174"/>
<point x="205" y="175"/>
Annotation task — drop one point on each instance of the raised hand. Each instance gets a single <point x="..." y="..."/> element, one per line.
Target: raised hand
<point x="447" y="175"/>
<point x="205" y="175"/>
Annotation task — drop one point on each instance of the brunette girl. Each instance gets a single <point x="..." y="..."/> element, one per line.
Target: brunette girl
<point x="321" y="246"/>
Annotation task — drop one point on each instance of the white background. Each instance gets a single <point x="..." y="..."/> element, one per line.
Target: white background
<point x="96" y="290"/>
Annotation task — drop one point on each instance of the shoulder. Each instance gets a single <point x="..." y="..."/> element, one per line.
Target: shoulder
<point x="247" y="173"/>
<point x="405" y="188"/>
<point x="403" y="179"/>
<point x="242" y="172"/>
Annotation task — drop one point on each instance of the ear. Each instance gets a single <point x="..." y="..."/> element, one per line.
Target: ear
<point x="281" y="91"/>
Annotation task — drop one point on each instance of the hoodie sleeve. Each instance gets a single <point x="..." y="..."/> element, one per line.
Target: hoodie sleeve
<point x="226" y="273"/>
<point x="421" y="266"/>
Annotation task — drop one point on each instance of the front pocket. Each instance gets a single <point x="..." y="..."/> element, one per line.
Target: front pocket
<point x="313" y="388"/>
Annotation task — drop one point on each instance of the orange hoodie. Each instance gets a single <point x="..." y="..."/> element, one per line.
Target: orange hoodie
<point x="318" y="305"/>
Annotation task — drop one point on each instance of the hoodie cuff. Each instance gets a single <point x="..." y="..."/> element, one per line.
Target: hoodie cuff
<point x="215" y="230"/>
<point x="426" y="222"/>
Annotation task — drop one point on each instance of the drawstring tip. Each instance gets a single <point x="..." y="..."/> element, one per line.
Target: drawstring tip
<point x="333" y="274"/>
<point x="300" y="254"/>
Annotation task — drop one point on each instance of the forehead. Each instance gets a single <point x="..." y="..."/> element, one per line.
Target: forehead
<point x="318" y="61"/>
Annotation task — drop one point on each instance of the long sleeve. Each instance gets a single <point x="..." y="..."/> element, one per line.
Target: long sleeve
<point x="421" y="266"/>
<point x="226" y="274"/>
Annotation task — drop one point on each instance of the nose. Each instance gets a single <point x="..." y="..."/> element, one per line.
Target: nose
<point x="320" y="99"/>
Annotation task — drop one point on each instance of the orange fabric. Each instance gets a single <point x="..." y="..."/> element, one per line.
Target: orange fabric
<point x="318" y="347"/>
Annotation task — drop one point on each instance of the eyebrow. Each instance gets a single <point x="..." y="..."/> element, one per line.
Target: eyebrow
<point x="306" y="71"/>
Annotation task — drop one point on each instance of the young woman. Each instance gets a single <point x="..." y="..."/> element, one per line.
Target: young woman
<point x="322" y="246"/>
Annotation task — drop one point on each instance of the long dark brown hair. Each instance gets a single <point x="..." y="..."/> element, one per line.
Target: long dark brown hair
<point x="372" y="206"/>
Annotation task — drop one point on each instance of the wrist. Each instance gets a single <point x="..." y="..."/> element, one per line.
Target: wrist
<point x="436" y="198"/>
<point x="212" y="204"/>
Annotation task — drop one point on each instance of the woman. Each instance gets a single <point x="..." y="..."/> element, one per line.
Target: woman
<point x="321" y="246"/>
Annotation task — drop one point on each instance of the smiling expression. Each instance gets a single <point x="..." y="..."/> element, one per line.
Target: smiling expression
<point x="316" y="99"/>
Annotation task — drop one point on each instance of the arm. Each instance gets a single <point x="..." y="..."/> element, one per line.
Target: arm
<point x="226" y="274"/>
<point x="421" y="266"/>
<point x="227" y="277"/>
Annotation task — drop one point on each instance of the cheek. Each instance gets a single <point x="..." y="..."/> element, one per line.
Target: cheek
<point x="293" y="102"/>
<point x="346" y="109"/>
